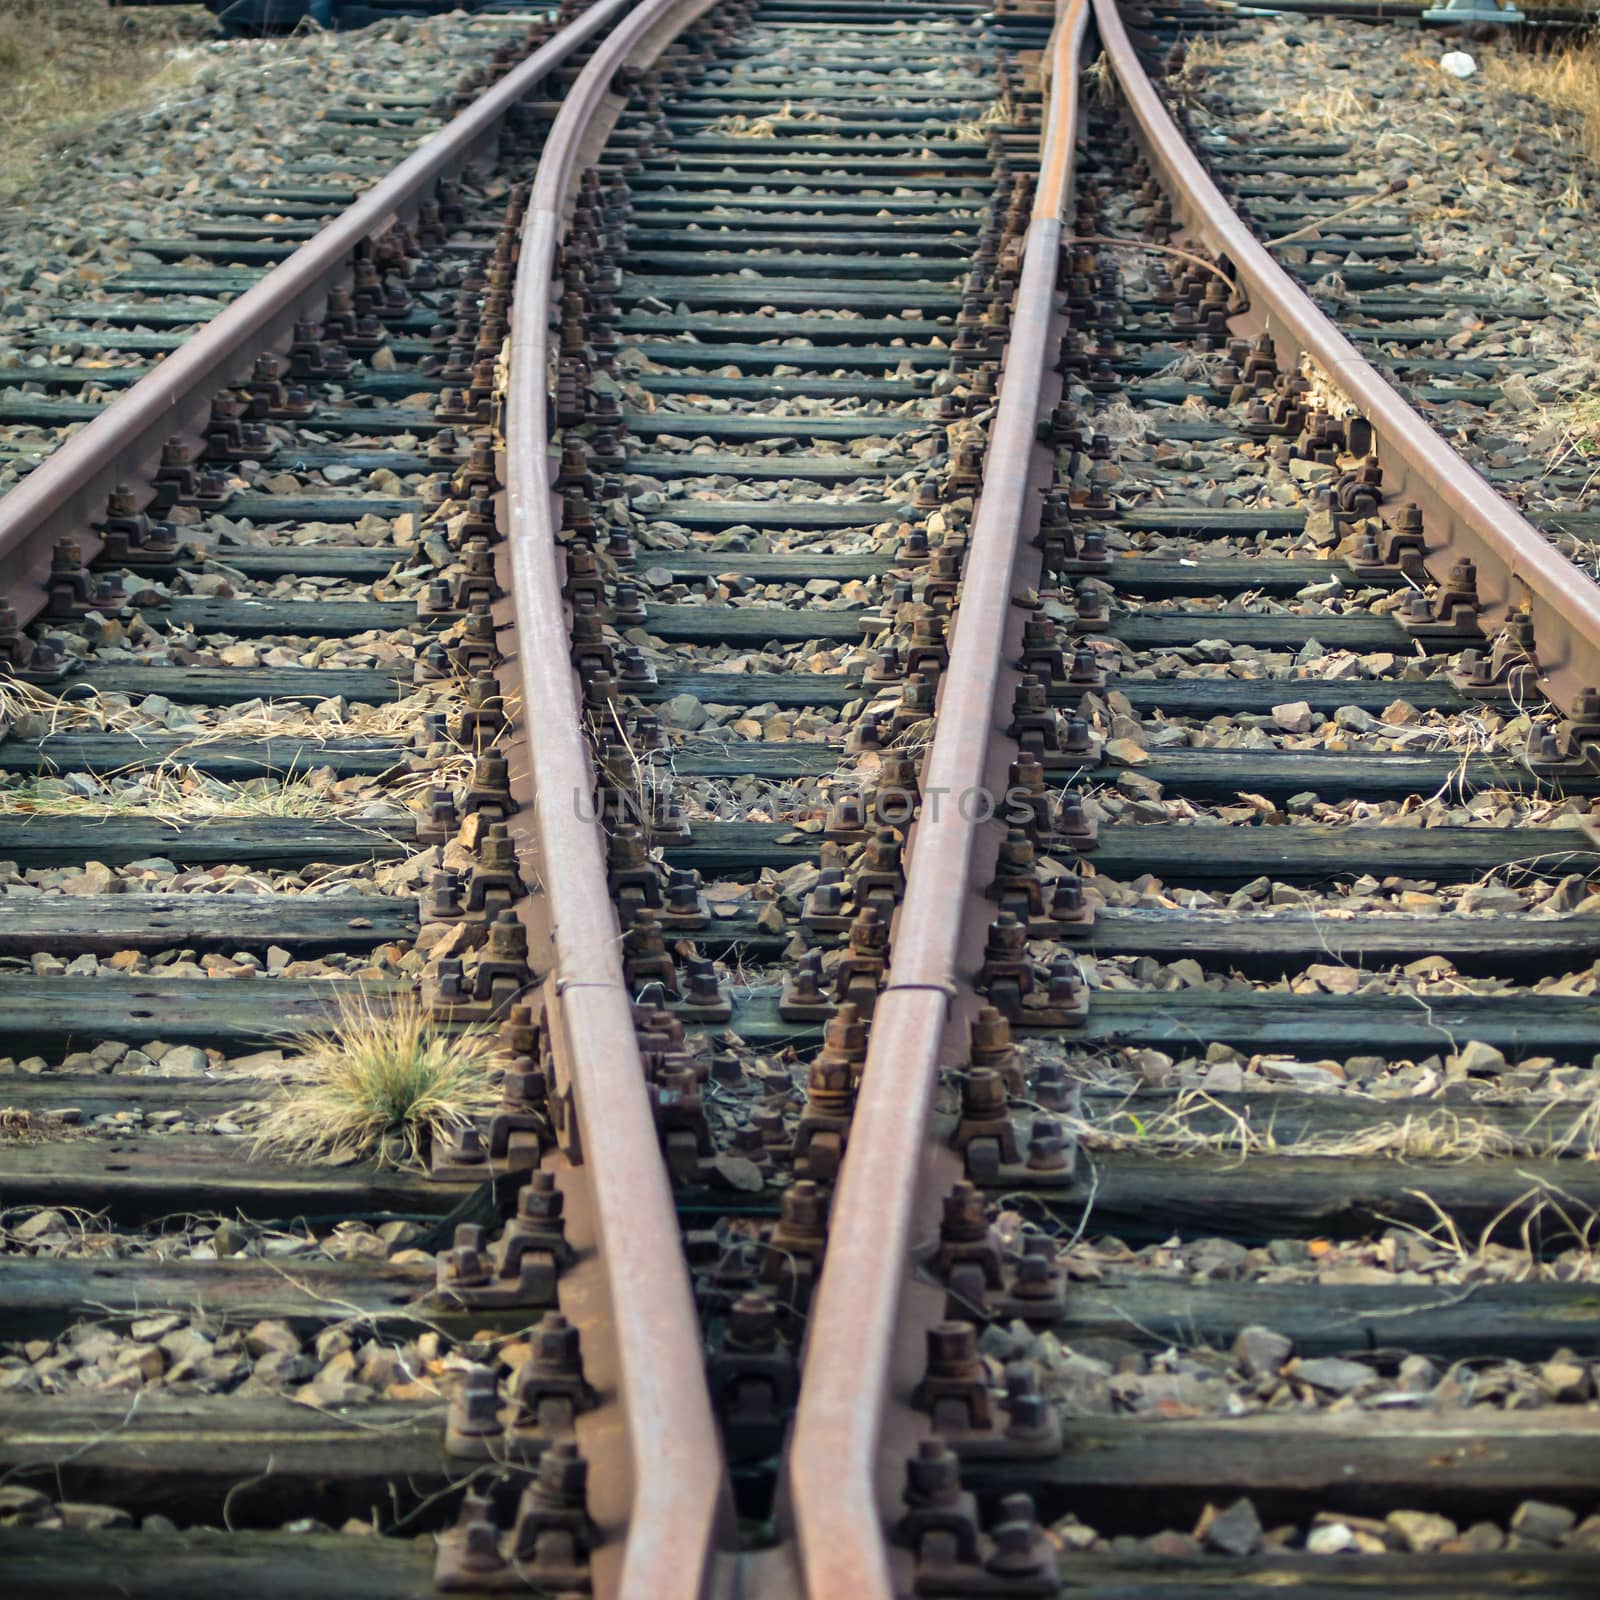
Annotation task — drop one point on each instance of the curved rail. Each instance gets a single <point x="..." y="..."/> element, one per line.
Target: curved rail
<point x="66" y="493"/>
<point x="1462" y="512"/>
<point x="836" y="1466"/>
<point x="834" y="1459"/>
<point x="677" y="1480"/>
<point x="672" y="1438"/>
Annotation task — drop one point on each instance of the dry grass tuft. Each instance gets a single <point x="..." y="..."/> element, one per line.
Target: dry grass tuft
<point x="1196" y="1124"/>
<point x="1580" y="1138"/>
<point x="1334" y="110"/>
<point x="1566" y="78"/>
<point x="171" y="793"/>
<point x="66" y="65"/>
<point x="1579" y="421"/>
<point x="1543" y="1217"/>
<point x="385" y="1080"/>
<point x="738" y="126"/>
<point x="975" y="130"/>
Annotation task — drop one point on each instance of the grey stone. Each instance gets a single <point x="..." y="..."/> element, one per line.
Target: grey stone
<point x="1417" y="1375"/>
<point x="278" y="1369"/>
<point x="1476" y="1059"/>
<point x="1538" y="1522"/>
<point x="1420" y="1531"/>
<point x="1331" y="1539"/>
<point x="268" y="1336"/>
<point x="149" y="1329"/>
<point x="739" y="1172"/>
<point x="1357" y="720"/>
<point x="184" y="1061"/>
<point x="1333" y="1374"/>
<point x="1235" y="1531"/>
<point x="84" y="1517"/>
<point x="22" y="1505"/>
<point x="1261" y="1351"/>
<point x="684" y="711"/>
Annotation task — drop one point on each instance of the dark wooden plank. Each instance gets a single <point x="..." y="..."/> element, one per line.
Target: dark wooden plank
<point x="785" y="566"/>
<point x="1186" y="856"/>
<point x="648" y="246"/>
<point x="1201" y="775"/>
<point x="211" y="281"/>
<point x="696" y="624"/>
<point x="827" y="358"/>
<point x="1129" y="1472"/>
<point x="182" y="1457"/>
<point x="1285" y="630"/>
<point x="98" y="1094"/>
<point x="343" y="421"/>
<point x="223" y="686"/>
<point x="1505" y="1321"/>
<point x="112" y="752"/>
<point x="243" y="507"/>
<point x="1153" y="578"/>
<point x="757" y="688"/>
<point x="45" y="1295"/>
<point x="1221" y="695"/>
<point x="314" y="457"/>
<point x="1267" y="943"/>
<point x="1173" y="697"/>
<point x="792" y="294"/>
<point x="253" y="619"/>
<point x="48" y="1565"/>
<point x="318" y="560"/>
<point x="390" y="384"/>
<point x="41" y="1014"/>
<point x="813" y="147"/>
<point x="1317" y="852"/>
<point x="1144" y="1199"/>
<point x="675" y="208"/>
<point x="884" y="262"/>
<point x="710" y="156"/>
<point x="140" y="1178"/>
<point x="769" y="388"/>
<point x="1306" y="1026"/>
<point x="737" y="329"/>
<point x="776" y="515"/>
<point x="231" y="251"/>
<point x="704" y="184"/>
<point x="42" y="411"/>
<point x="1220" y="775"/>
<point x="51" y="841"/>
<point x="105" y="923"/>
<point x="142" y="314"/>
<point x="774" y="760"/>
<point x="758" y="425"/>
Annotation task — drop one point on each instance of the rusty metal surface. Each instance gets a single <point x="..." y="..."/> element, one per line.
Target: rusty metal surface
<point x="677" y="1493"/>
<point x="836" y="1454"/>
<point x="675" y="1498"/>
<point x="841" y="1480"/>
<point x="1462" y="514"/>
<point x="67" y="492"/>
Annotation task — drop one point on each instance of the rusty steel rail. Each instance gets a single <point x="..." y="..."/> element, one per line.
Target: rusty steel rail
<point x="1463" y="515"/>
<point x="67" y="493"/>
<point x="677" y="1491"/>
<point x="837" y="1478"/>
<point x="677" y="1497"/>
<point x="841" y="1487"/>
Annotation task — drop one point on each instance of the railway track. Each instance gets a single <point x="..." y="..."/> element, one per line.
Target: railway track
<point x="1019" y="822"/>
